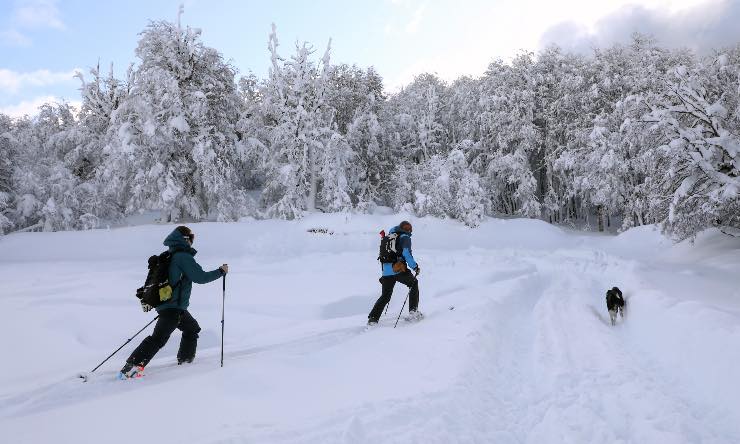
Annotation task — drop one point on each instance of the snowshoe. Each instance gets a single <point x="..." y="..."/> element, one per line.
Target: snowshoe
<point x="414" y="316"/>
<point x="130" y="371"/>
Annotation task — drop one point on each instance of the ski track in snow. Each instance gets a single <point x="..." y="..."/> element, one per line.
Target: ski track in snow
<point x="527" y="355"/>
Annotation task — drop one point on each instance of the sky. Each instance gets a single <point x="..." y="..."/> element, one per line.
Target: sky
<point x="44" y="42"/>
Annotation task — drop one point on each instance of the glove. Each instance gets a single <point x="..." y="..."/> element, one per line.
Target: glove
<point x="417" y="270"/>
<point x="224" y="269"/>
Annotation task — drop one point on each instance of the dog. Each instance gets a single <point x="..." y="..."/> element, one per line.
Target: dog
<point x="615" y="304"/>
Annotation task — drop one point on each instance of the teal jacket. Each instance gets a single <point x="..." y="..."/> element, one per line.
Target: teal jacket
<point x="184" y="271"/>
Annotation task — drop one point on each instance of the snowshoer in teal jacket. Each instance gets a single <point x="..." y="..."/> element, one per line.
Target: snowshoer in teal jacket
<point x="174" y="314"/>
<point x="184" y="271"/>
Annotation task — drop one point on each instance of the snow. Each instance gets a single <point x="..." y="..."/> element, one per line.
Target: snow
<point x="527" y="355"/>
<point x="717" y="110"/>
<point x="179" y="123"/>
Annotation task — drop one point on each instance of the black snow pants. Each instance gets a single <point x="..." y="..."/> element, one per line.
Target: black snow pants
<point x="169" y="320"/>
<point x="388" y="282"/>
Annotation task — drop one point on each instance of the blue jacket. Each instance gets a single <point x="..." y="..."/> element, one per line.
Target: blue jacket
<point x="184" y="271"/>
<point x="403" y="245"/>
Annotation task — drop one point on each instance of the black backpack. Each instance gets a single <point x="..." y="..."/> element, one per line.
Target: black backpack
<point x="389" y="248"/>
<point x="156" y="290"/>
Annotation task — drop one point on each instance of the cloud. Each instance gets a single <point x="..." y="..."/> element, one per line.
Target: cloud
<point x="31" y="15"/>
<point x="31" y="107"/>
<point x="712" y="24"/>
<point x="11" y="81"/>
<point x="12" y="37"/>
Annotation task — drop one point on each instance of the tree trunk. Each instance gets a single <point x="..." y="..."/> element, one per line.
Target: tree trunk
<point x="311" y="204"/>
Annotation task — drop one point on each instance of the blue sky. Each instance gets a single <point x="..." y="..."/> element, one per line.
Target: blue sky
<point x="42" y="42"/>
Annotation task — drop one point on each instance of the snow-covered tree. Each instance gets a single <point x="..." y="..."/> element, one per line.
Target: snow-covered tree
<point x="7" y="195"/>
<point x="48" y="196"/>
<point x="350" y="89"/>
<point x="612" y="171"/>
<point x="442" y="186"/>
<point x="700" y="117"/>
<point x="461" y="115"/>
<point x="336" y="160"/>
<point x="173" y="143"/>
<point x="302" y="135"/>
<point x="100" y="98"/>
<point x="508" y="137"/>
<point x="634" y="132"/>
<point x="414" y="117"/>
<point x="372" y="171"/>
<point x="468" y="197"/>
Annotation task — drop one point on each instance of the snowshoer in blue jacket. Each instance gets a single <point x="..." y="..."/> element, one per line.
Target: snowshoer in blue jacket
<point x="399" y="271"/>
<point x="174" y="314"/>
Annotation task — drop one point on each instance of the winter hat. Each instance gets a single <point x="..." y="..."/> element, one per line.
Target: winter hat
<point x="405" y="223"/>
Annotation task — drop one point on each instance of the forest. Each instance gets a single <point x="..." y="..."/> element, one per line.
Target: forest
<point x="628" y="135"/>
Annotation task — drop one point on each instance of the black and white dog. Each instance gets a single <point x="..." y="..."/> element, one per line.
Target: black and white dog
<point x="615" y="304"/>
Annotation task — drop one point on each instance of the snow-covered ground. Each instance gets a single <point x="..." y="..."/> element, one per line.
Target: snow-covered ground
<point x="526" y="356"/>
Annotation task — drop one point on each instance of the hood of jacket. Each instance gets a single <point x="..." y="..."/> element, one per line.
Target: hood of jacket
<point x="176" y="242"/>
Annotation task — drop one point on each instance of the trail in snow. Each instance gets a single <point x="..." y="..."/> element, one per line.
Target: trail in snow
<point x="526" y="356"/>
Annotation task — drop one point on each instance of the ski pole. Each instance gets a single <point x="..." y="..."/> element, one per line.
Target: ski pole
<point x="402" y="307"/>
<point x="223" y="303"/>
<point x="124" y="344"/>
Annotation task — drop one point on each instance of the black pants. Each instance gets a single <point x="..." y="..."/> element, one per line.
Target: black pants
<point x="388" y="282"/>
<point x="168" y="321"/>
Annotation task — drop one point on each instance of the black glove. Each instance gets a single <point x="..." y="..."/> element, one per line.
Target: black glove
<point x="417" y="270"/>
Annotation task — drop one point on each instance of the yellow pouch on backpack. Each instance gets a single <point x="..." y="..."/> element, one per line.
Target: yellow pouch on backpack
<point x="165" y="293"/>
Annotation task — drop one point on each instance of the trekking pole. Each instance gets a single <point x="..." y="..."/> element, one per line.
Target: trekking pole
<point x="223" y="303"/>
<point x="402" y="307"/>
<point x="119" y="348"/>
